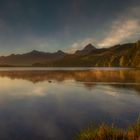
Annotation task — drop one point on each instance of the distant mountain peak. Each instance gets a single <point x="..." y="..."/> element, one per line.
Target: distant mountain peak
<point x="87" y="49"/>
<point x="60" y="52"/>
<point x="125" y="55"/>
<point x="34" y="51"/>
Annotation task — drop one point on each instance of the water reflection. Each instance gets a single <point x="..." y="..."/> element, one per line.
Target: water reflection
<point x="120" y="78"/>
<point x="33" y="108"/>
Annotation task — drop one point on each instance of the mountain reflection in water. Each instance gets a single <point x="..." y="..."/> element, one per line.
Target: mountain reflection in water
<point x="118" y="78"/>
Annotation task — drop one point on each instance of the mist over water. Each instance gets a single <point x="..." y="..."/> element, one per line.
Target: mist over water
<point x="55" y="104"/>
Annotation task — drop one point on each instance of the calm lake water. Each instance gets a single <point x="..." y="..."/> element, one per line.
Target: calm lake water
<point x="55" y="103"/>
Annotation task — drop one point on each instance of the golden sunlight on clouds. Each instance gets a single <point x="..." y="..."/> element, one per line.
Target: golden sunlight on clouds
<point x="120" y="31"/>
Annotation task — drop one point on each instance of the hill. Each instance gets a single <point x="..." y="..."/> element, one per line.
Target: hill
<point x="125" y="55"/>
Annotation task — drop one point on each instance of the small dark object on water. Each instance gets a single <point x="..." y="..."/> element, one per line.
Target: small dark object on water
<point x="50" y="81"/>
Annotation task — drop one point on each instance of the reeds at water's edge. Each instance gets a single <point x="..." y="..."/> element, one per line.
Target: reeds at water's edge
<point x="106" y="132"/>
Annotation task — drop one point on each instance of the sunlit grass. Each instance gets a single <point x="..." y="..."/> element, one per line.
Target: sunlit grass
<point x="106" y="132"/>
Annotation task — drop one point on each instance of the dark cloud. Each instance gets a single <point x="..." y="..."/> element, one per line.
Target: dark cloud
<point x="61" y="23"/>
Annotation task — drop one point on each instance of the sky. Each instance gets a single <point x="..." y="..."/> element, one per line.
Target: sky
<point x="51" y="25"/>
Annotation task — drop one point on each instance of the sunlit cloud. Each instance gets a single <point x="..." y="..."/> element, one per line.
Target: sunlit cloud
<point x="120" y="31"/>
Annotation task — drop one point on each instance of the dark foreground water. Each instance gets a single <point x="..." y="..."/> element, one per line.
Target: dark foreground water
<point x="54" y="104"/>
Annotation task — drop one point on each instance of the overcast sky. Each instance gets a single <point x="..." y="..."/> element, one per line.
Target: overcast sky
<point x="51" y="25"/>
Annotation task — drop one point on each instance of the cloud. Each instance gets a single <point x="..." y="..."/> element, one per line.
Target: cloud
<point x="120" y="31"/>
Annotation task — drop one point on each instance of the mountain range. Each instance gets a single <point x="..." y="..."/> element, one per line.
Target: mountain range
<point x="125" y="55"/>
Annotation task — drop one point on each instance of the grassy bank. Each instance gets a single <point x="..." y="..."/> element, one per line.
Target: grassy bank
<point x="106" y="132"/>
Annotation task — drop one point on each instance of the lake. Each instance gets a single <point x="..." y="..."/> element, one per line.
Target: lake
<point x="56" y="103"/>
